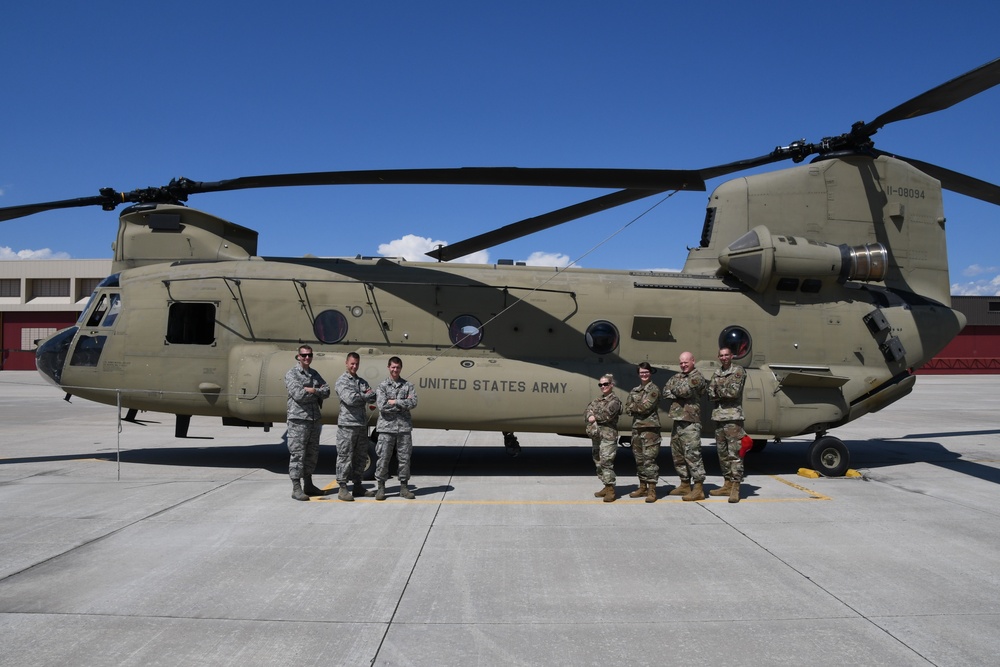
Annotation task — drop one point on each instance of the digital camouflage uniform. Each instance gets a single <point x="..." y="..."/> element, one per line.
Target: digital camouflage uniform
<point x="604" y="434"/>
<point x="685" y="390"/>
<point x="642" y="404"/>
<point x="726" y="390"/>
<point x="394" y="427"/>
<point x="303" y="422"/>
<point x="352" y="438"/>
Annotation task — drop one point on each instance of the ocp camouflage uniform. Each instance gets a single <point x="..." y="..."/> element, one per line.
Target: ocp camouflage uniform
<point x="642" y="404"/>
<point x="352" y="440"/>
<point x="394" y="427"/>
<point x="303" y="421"/>
<point x="726" y="389"/>
<point x="604" y="434"/>
<point x="685" y="391"/>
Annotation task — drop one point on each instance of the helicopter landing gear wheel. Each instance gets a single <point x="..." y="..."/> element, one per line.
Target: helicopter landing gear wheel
<point x="511" y="444"/>
<point x="829" y="456"/>
<point x="758" y="446"/>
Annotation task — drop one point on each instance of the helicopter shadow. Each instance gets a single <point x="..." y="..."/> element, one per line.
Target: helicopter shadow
<point x="788" y="457"/>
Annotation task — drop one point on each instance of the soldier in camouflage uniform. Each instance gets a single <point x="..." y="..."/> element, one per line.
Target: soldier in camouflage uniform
<point x="395" y="398"/>
<point x="642" y="405"/>
<point x="685" y="390"/>
<point x="352" y="439"/>
<point x="726" y="390"/>
<point x="306" y="391"/>
<point x="601" y="417"/>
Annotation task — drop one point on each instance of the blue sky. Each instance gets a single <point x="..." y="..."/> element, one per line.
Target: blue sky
<point x="132" y="94"/>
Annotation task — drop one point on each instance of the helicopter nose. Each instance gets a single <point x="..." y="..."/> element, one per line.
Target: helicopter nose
<point x="51" y="355"/>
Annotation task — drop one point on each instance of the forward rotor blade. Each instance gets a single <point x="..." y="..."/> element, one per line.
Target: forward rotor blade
<point x="953" y="180"/>
<point x="11" y="212"/>
<point x="658" y="179"/>
<point x="516" y="230"/>
<point x="178" y="190"/>
<point x="939" y="98"/>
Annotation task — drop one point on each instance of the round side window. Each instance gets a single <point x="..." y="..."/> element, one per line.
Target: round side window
<point x="602" y="337"/>
<point x="330" y="326"/>
<point x="465" y="332"/>
<point x="737" y="340"/>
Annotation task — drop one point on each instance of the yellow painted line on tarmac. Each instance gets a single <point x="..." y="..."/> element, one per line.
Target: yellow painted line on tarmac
<point x="813" y="495"/>
<point x="397" y="500"/>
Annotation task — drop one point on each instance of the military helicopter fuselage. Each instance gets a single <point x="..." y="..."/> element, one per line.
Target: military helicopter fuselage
<point x="828" y="281"/>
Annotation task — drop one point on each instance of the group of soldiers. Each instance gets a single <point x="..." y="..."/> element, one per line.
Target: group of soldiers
<point x="684" y="390"/>
<point x="394" y="397"/>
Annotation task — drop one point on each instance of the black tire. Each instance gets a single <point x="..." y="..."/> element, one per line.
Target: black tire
<point x="829" y="457"/>
<point x="758" y="446"/>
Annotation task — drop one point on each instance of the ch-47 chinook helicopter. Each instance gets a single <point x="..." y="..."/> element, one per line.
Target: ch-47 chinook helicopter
<point x="828" y="280"/>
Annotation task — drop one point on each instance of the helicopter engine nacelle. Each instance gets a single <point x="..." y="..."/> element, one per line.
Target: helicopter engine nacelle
<point x="757" y="257"/>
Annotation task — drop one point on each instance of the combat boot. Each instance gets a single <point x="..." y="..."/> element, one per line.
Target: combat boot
<point x="344" y="494"/>
<point x="640" y="492"/>
<point x="380" y="494"/>
<point x="600" y="494"/>
<point x="681" y="490"/>
<point x="651" y="492"/>
<point x="734" y="492"/>
<point x="723" y="490"/>
<point x="360" y="491"/>
<point x="310" y="488"/>
<point x="696" y="493"/>
<point x="609" y="493"/>
<point x="297" y="490"/>
<point x="404" y="491"/>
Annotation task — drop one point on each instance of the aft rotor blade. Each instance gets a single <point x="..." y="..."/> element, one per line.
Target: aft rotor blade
<point x="939" y="98"/>
<point x="779" y="154"/>
<point x="516" y="230"/>
<point x="954" y="181"/>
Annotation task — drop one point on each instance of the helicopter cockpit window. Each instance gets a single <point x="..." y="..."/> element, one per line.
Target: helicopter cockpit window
<point x="465" y="332"/>
<point x="113" y="310"/>
<point x="191" y="324"/>
<point x="88" y="351"/>
<point x="330" y="326"/>
<point x="602" y="337"/>
<point x="99" y="311"/>
<point x="737" y="340"/>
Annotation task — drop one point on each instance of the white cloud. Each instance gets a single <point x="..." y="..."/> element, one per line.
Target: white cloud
<point x="986" y="281"/>
<point x="414" y="248"/>
<point x="977" y="288"/>
<point x="540" y="258"/>
<point x="44" y="253"/>
<point x="977" y="270"/>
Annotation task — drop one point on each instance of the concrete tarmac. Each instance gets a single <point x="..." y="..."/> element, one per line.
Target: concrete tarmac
<point x="136" y="548"/>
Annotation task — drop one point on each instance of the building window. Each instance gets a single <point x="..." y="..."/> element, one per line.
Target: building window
<point x="10" y="287"/>
<point x="86" y="286"/>
<point x="49" y="287"/>
<point x="30" y="336"/>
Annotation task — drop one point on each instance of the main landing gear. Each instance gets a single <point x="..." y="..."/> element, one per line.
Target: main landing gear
<point x="829" y="456"/>
<point x="511" y="444"/>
